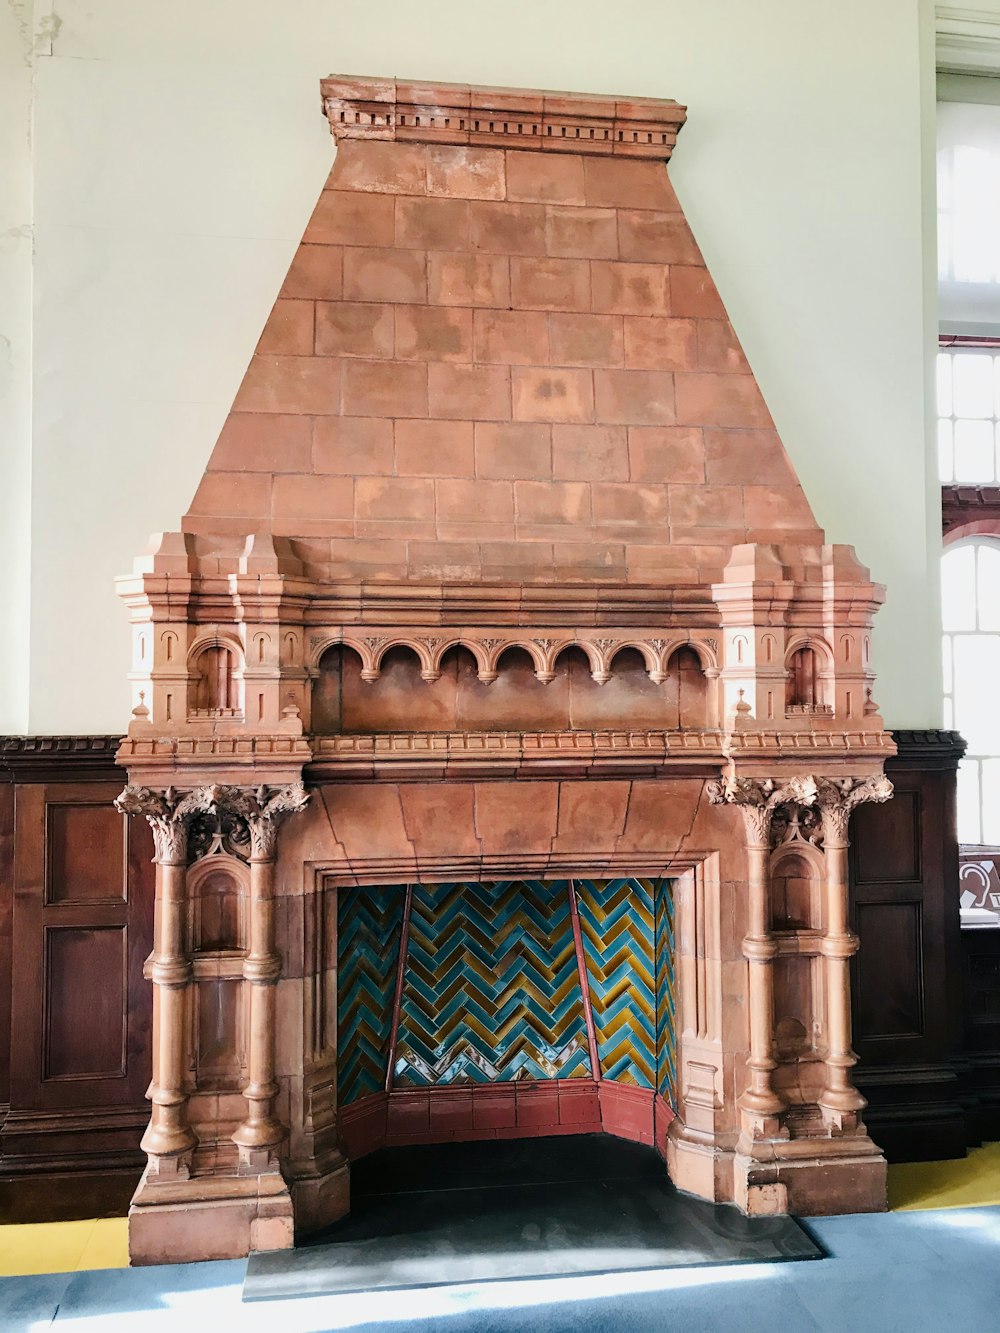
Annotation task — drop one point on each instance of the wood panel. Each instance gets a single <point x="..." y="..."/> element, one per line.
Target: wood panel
<point x="79" y="880"/>
<point x="890" y="982"/>
<point x="906" y="989"/>
<point x="85" y="963"/>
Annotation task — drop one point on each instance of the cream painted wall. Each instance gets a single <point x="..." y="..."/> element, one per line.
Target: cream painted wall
<point x="16" y="54"/>
<point x="179" y="149"/>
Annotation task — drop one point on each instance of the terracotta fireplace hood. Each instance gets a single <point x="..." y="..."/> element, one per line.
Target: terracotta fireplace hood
<point x="498" y="551"/>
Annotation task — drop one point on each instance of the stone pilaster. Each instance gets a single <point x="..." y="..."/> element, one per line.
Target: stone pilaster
<point x="840" y="1103"/>
<point x="261" y="1133"/>
<point x="169" y="1139"/>
<point x="760" y="1106"/>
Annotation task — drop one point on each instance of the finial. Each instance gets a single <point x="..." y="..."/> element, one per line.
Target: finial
<point x="742" y="707"/>
<point x="140" y="711"/>
<point x="870" y="705"/>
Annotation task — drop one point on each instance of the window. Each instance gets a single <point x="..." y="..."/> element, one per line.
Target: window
<point x="968" y="396"/>
<point x="970" y="596"/>
<point x="968" y="436"/>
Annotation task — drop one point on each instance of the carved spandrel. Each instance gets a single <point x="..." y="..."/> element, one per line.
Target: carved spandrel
<point x="216" y="832"/>
<point x="837" y="798"/>
<point x="262" y="810"/>
<point x="796" y="823"/>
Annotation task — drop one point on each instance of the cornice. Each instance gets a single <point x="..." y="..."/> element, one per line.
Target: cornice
<point x="968" y="39"/>
<point x="58" y="758"/>
<point x="523" y="118"/>
<point x="932" y="749"/>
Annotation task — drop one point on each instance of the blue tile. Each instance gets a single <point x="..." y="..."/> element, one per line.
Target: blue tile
<point x="29" y="1300"/>
<point x="872" y="1240"/>
<point x="133" y="1290"/>
<point x="901" y="1298"/>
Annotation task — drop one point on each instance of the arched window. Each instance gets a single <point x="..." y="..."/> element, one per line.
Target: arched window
<point x="970" y="598"/>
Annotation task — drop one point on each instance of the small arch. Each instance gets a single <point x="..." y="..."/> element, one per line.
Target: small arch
<point x="399" y="647"/>
<point x="215" y="666"/>
<point x="686" y="675"/>
<point x="169" y="640"/>
<point x="818" y="645"/>
<point x="440" y="651"/>
<point x="338" y="663"/>
<point x="537" y="653"/>
<point x="706" y="656"/>
<point x="797" y="887"/>
<point x="646" y="652"/>
<point x="218" y="887"/>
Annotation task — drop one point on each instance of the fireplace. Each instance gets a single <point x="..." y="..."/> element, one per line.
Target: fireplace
<point x="504" y="1010"/>
<point x="499" y="708"/>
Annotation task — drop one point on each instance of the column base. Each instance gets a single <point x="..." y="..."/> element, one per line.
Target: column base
<point x="323" y="1198"/>
<point x="209" y="1217"/>
<point x="698" y="1164"/>
<point x="807" y="1176"/>
<point x="812" y="1177"/>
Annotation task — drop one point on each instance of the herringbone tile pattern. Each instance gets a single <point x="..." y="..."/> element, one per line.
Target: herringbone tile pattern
<point x="620" y="920"/>
<point x="663" y="918"/>
<point x="492" y="991"/>
<point x="491" y="988"/>
<point x="369" y="928"/>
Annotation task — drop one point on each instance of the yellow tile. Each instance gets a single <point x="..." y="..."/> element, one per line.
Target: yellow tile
<point x="966" y="1183"/>
<point x="43" y="1247"/>
<point x="107" y="1246"/>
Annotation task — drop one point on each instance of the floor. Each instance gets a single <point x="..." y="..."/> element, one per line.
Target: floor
<point x="932" y="1263"/>
<point x="548" y="1207"/>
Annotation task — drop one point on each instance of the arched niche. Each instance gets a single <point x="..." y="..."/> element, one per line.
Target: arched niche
<point x="218" y="888"/>
<point x="689" y="689"/>
<point x="808" y="670"/>
<point x="215" y="685"/>
<point x="796" y="888"/>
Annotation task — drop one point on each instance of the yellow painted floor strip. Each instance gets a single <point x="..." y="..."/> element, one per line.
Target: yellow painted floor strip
<point x="969" y="1182"/>
<point x="63" y="1247"/>
<point x="77" y="1247"/>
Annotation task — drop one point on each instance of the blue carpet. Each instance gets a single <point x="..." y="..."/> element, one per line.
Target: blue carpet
<point x="897" y="1273"/>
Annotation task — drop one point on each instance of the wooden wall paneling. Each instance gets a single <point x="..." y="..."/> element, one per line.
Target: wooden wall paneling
<point x="981" y="1060"/>
<point x="81" y="881"/>
<point x="6" y="933"/>
<point x="906" y="976"/>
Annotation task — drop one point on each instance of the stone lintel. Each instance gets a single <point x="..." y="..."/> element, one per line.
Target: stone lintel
<point x="526" y="118"/>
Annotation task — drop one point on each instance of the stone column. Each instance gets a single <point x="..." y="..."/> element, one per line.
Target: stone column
<point x="260" y="1134"/>
<point x="840" y="1103"/>
<point x="760" y="1106"/>
<point x="169" y="1139"/>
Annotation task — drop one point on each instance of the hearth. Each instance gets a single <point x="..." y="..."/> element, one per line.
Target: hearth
<point x="497" y="600"/>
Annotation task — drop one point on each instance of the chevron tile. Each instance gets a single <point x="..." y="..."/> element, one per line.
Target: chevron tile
<point x="368" y="933"/>
<point x="491" y="990"/>
<point x="623" y="922"/>
<point x="666" y="1045"/>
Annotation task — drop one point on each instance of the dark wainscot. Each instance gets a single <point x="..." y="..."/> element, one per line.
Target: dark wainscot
<point x="906" y="993"/>
<point x="76" y="902"/>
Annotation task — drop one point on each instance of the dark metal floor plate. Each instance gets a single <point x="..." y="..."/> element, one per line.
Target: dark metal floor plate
<point x="482" y="1212"/>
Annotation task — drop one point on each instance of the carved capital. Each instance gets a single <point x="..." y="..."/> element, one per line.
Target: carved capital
<point x="263" y="810"/>
<point x="758" y="799"/>
<point x="168" y="814"/>
<point x="837" y="797"/>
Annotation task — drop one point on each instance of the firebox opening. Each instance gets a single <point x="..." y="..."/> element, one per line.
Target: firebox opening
<point x="506" y="1009"/>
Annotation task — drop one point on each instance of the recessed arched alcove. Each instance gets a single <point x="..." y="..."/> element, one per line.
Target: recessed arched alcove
<point x="523" y="692"/>
<point x="214" y="687"/>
